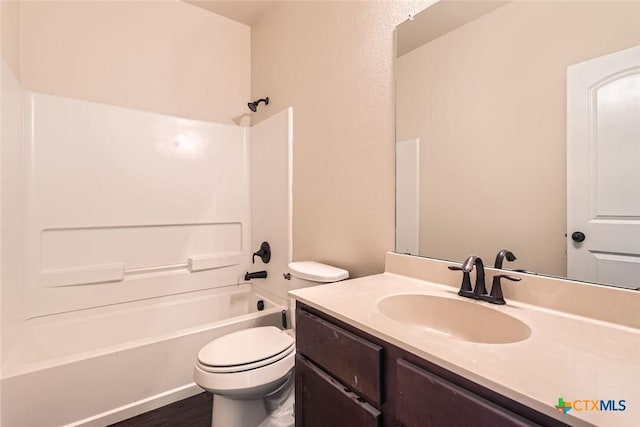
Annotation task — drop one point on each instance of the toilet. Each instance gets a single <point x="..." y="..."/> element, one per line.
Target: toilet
<point x="250" y="372"/>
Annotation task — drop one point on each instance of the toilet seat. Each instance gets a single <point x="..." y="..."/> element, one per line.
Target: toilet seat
<point x="246" y="362"/>
<point x="246" y="349"/>
<point x="246" y="366"/>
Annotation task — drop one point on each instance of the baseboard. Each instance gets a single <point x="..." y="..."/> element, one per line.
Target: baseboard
<point x="139" y="407"/>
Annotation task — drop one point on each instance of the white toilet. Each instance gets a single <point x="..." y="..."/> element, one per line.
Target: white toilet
<point x="250" y="372"/>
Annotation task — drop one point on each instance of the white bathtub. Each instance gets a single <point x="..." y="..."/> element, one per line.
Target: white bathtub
<point x="108" y="364"/>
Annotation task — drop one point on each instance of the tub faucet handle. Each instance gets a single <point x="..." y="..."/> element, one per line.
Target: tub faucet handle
<point x="264" y="253"/>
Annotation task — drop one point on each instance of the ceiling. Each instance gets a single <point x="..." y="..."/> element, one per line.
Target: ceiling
<point x="246" y="12"/>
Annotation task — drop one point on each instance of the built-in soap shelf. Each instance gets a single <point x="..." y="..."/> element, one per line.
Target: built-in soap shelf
<point x="116" y="272"/>
<point x="209" y="262"/>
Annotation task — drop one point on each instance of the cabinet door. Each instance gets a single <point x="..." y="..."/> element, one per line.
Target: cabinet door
<point x="424" y="399"/>
<point x="322" y="401"/>
<point x="349" y="358"/>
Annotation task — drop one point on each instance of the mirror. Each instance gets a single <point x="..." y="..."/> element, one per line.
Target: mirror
<point x="488" y="153"/>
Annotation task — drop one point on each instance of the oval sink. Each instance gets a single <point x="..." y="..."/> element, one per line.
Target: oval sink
<point x="455" y="318"/>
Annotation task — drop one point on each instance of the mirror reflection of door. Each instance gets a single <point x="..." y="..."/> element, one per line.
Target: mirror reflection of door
<point x="407" y="196"/>
<point x="603" y="169"/>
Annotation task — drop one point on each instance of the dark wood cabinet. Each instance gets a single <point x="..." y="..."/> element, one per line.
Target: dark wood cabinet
<point x="322" y="401"/>
<point x="424" y="399"/>
<point x="352" y="360"/>
<point x="348" y="378"/>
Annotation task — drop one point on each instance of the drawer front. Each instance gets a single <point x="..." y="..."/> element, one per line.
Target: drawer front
<point x="322" y="401"/>
<point x="352" y="360"/>
<point x="424" y="399"/>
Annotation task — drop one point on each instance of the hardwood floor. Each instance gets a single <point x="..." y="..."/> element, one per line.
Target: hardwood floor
<point x="194" y="411"/>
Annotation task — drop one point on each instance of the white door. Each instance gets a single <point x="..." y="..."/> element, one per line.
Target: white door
<point x="603" y="169"/>
<point x="407" y="198"/>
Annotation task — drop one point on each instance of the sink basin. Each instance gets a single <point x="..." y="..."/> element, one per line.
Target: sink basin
<point x="455" y="318"/>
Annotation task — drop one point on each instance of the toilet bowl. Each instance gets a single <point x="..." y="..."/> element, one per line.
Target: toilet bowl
<point x="250" y="372"/>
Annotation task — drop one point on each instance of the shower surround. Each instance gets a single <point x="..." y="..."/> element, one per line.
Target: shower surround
<point x="137" y="233"/>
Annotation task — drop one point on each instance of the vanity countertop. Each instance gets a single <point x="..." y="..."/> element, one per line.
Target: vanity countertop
<point x="566" y="356"/>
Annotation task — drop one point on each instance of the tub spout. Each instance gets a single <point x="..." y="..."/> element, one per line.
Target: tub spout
<point x="255" y="275"/>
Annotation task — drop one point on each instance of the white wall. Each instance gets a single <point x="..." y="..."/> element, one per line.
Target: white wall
<point x="120" y="201"/>
<point x="271" y="199"/>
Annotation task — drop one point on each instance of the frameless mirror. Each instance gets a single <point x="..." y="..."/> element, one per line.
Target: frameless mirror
<point x="518" y="127"/>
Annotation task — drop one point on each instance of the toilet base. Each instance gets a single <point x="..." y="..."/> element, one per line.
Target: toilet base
<point x="283" y="416"/>
<point x="238" y="413"/>
<point x="274" y="410"/>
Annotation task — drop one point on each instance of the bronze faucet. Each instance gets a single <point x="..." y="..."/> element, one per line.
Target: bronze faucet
<point x="479" y="291"/>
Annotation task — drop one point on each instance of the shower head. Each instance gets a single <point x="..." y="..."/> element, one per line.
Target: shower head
<point x="253" y="106"/>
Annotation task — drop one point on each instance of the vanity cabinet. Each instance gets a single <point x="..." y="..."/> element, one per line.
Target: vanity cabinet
<point x="322" y="401"/>
<point x="348" y="378"/>
<point x="425" y="399"/>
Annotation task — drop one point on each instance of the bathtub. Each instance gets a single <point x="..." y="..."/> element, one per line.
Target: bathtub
<point x="112" y="363"/>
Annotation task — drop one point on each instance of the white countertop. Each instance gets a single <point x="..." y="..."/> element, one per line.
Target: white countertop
<point x="566" y="356"/>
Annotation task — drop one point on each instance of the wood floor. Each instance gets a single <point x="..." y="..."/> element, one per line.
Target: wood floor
<point x="194" y="411"/>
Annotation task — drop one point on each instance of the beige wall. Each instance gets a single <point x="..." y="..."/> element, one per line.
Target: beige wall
<point x="333" y="62"/>
<point x="163" y="56"/>
<point x="11" y="178"/>
<point x="489" y="104"/>
<point x="9" y="35"/>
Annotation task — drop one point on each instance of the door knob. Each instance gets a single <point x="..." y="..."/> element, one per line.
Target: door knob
<point x="578" y="236"/>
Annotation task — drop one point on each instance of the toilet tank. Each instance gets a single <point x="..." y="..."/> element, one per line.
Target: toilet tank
<point x="310" y="273"/>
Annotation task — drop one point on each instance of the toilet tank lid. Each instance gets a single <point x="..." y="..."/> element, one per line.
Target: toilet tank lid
<point x="317" y="272"/>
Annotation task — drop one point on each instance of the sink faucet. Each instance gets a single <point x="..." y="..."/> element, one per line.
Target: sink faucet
<point x="496" y="289"/>
<point x="480" y="288"/>
<point x="465" y="289"/>
<point x="479" y="291"/>
<point x="505" y="253"/>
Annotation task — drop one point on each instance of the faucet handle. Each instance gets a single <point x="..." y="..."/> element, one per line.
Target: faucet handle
<point x="264" y="253"/>
<point x="465" y="288"/>
<point x="496" y="296"/>
<point x="506" y="276"/>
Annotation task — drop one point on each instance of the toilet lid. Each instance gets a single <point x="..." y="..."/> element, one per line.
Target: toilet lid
<point x="245" y="347"/>
<point x="280" y="358"/>
<point x="317" y="272"/>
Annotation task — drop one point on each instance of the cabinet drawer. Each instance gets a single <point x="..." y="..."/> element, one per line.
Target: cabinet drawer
<point x="424" y="399"/>
<point x="322" y="401"/>
<point x="354" y="361"/>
